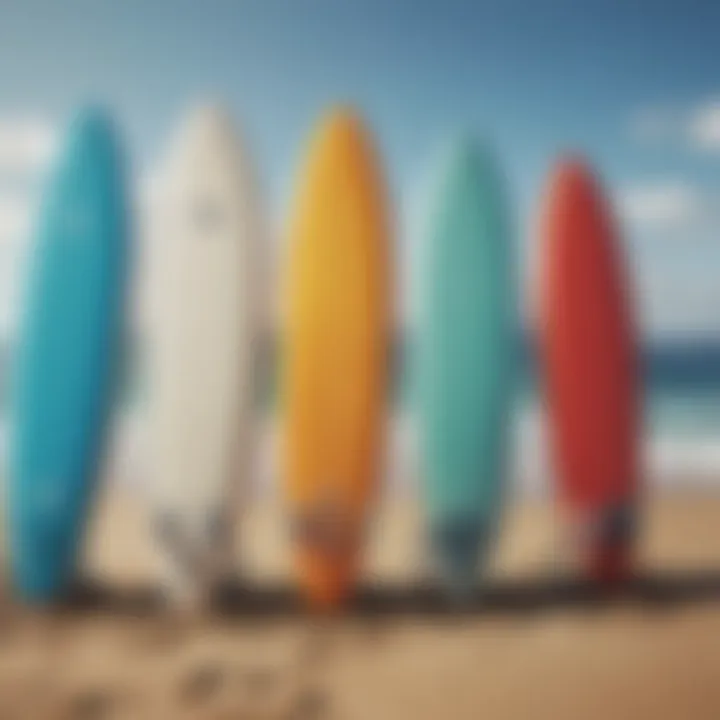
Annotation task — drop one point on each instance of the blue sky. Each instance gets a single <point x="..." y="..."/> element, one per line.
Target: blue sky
<point x="634" y="85"/>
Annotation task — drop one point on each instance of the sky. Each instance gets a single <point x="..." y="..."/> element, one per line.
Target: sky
<point x="635" y="86"/>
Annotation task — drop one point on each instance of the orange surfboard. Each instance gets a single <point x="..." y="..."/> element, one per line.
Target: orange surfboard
<point x="336" y="337"/>
<point x="587" y="344"/>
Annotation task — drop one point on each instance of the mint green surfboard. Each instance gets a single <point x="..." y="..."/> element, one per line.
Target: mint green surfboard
<point x="465" y="351"/>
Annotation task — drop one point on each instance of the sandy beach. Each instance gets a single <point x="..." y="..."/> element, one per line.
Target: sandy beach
<point x="534" y="644"/>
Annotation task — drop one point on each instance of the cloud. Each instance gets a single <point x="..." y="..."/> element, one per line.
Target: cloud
<point x="703" y="127"/>
<point x="25" y="144"/>
<point x="661" y="204"/>
<point x="696" y="126"/>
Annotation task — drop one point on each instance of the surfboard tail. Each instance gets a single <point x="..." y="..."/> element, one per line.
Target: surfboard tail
<point x="44" y="575"/>
<point x="605" y="540"/>
<point x="611" y="560"/>
<point x="327" y="584"/>
<point x="460" y="546"/>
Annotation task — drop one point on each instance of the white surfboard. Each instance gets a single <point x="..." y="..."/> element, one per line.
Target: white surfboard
<point x="203" y="343"/>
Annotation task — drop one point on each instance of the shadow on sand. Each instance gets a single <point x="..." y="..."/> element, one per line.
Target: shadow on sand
<point x="514" y="598"/>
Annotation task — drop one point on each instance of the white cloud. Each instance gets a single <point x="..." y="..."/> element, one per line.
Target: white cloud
<point x="663" y="204"/>
<point x="703" y="127"/>
<point x="25" y="144"/>
<point x="696" y="126"/>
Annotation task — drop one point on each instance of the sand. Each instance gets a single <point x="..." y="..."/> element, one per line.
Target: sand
<point x="536" y="644"/>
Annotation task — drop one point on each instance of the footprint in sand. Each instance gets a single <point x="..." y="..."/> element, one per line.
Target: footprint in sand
<point x="311" y="704"/>
<point x="91" y="705"/>
<point x="202" y="684"/>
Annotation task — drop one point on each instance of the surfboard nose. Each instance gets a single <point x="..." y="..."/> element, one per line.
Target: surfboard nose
<point x="459" y="545"/>
<point x="91" y="129"/>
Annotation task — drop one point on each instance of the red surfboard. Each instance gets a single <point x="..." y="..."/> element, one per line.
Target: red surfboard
<point x="587" y="347"/>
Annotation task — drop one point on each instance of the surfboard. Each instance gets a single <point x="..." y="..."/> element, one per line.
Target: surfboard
<point x="207" y="234"/>
<point x="336" y="335"/>
<point x="465" y="339"/>
<point x="67" y="355"/>
<point x="587" y="343"/>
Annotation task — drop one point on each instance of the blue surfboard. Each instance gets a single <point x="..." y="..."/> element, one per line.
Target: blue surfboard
<point x="66" y="359"/>
<point x="465" y="350"/>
